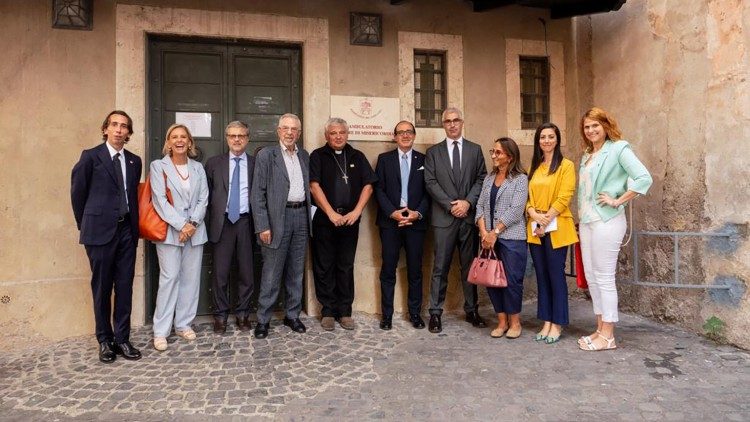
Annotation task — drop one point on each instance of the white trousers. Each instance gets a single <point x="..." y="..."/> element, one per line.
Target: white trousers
<point x="179" y="286"/>
<point x="600" y="246"/>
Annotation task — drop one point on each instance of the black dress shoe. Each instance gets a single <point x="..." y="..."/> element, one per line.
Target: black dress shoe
<point x="126" y="350"/>
<point x="386" y="323"/>
<point x="475" y="319"/>
<point x="295" y="324"/>
<point x="106" y="354"/>
<point x="435" y="325"/>
<point x="220" y="326"/>
<point x="416" y="321"/>
<point x="261" y="330"/>
<point x="243" y="324"/>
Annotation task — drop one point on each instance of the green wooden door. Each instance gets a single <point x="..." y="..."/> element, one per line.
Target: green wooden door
<point x="220" y="81"/>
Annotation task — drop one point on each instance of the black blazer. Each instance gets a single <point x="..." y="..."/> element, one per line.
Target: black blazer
<point x="94" y="194"/>
<point x="217" y="175"/>
<point x="388" y="188"/>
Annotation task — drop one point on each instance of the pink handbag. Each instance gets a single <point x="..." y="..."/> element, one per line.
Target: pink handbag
<point x="487" y="270"/>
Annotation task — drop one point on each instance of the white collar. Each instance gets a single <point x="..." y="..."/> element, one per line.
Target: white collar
<point x="460" y="140"/>
<point x="241" y="156"/>
<point x="113" y="151"/>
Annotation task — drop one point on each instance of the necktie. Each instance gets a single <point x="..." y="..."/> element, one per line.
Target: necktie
<point x="120" y="185"/>
<point x="404" y="179"/>
<point x="233" y="210"/>
<point x="456" y="164"/>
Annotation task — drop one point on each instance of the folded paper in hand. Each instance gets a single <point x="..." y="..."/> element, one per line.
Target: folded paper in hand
<point x="552" y="226"/>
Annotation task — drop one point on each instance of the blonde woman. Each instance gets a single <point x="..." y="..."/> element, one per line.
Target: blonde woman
<point x="180" y="254"/>
<point x="610" y="175"/>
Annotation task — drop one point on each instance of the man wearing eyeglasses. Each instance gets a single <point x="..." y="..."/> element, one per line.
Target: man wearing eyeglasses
<point x="453" y="172"/>
<point x="281" y="204"/>
<point x="402" y="211"/>
<point x="230" y="177"/>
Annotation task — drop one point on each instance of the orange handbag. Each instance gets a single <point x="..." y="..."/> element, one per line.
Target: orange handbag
<point x="150" y="225"/>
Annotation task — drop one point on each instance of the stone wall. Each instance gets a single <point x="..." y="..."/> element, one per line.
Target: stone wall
<point x="675" y="77"/>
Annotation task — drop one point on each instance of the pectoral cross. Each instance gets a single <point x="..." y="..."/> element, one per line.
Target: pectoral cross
<point x="346" y="179"/>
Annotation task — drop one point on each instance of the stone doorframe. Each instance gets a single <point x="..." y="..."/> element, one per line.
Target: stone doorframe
<point x="134" y="23"/>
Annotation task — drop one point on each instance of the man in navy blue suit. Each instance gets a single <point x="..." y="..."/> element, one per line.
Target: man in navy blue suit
<point x="402" y="208"/>
<point x="104" y="194"/>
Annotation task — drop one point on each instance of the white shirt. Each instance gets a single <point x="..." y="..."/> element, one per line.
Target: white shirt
<point x="183" y="169"/>
<point x="112" y="152"/>
<point x="449" y="144"/>
<point x="294" y="170"/>
<point x="244" y="188"/>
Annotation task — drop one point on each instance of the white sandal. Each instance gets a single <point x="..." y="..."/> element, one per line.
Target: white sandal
<point x="591" y="347"/>
<point x="160" y="343"/>
<point x="587" y="339"/>
<point x="188" y="334"/>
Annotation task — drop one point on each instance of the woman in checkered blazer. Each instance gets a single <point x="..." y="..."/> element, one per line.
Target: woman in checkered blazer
<point x="502" y="226"/>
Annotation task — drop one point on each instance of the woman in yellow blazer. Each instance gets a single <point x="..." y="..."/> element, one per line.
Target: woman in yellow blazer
<point x="550" y="229"/>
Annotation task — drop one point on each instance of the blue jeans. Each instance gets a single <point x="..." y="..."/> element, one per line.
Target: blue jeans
<point x="513" y="253"/>
<point x="549" y="264"/>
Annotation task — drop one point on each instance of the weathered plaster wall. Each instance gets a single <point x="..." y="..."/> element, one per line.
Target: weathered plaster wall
<point x="58" y="84"/>
<point x="675" y="78"/>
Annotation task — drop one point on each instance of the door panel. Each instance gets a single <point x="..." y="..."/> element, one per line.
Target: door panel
<point x="193" y="97"/>
<point x="263" y="71"/>
<point x="230" y="81"/>
<point x="193" y="68"/>
<point x="262" y="100"/>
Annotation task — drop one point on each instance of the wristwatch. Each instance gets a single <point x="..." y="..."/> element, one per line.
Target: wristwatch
<point x="194" y="223"/>
<point x="497" y="230"/>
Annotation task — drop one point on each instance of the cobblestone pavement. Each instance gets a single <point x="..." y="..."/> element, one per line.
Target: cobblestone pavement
<point x="659" y="372"/>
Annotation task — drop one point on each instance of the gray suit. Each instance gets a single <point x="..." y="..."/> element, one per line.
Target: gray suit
<point x="290" y="228"/>
<point x="450" y="231"/>
<point x="179" y="263"/>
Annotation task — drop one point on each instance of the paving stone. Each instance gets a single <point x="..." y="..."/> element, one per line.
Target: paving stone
<point x="659" y="372"/>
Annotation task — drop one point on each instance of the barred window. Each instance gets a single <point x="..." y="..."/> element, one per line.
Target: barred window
<point x="429" y="88"/>
<point x="534" y="73"/>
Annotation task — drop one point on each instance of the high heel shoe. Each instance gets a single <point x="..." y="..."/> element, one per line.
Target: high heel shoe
<point x="539" y="337"/>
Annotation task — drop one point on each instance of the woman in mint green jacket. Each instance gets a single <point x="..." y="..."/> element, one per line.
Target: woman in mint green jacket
<point x="610" y="175"/>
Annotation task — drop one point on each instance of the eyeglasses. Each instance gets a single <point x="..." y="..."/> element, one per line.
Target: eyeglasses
<point x="452" y="122"/>
<point x="236" y="136"/>
<point x="494" y="152"/>
<point x="405" y="132"/>
<point x="289" y="129"/>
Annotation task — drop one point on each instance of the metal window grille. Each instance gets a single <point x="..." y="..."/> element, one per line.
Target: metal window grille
<point x="534" y="74"/>
<point x="429" y="88"/>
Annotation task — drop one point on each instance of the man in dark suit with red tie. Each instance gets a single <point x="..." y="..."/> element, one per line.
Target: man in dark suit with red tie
<point x="402" y="210"/>
<point x="104" y="195"/>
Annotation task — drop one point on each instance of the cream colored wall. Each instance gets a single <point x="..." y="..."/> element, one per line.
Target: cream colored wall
<point x="676" y="80"/>
<point x="59" y="84"/>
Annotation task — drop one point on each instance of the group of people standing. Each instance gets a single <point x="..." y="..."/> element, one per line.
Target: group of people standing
<point x="238" y="196"/>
